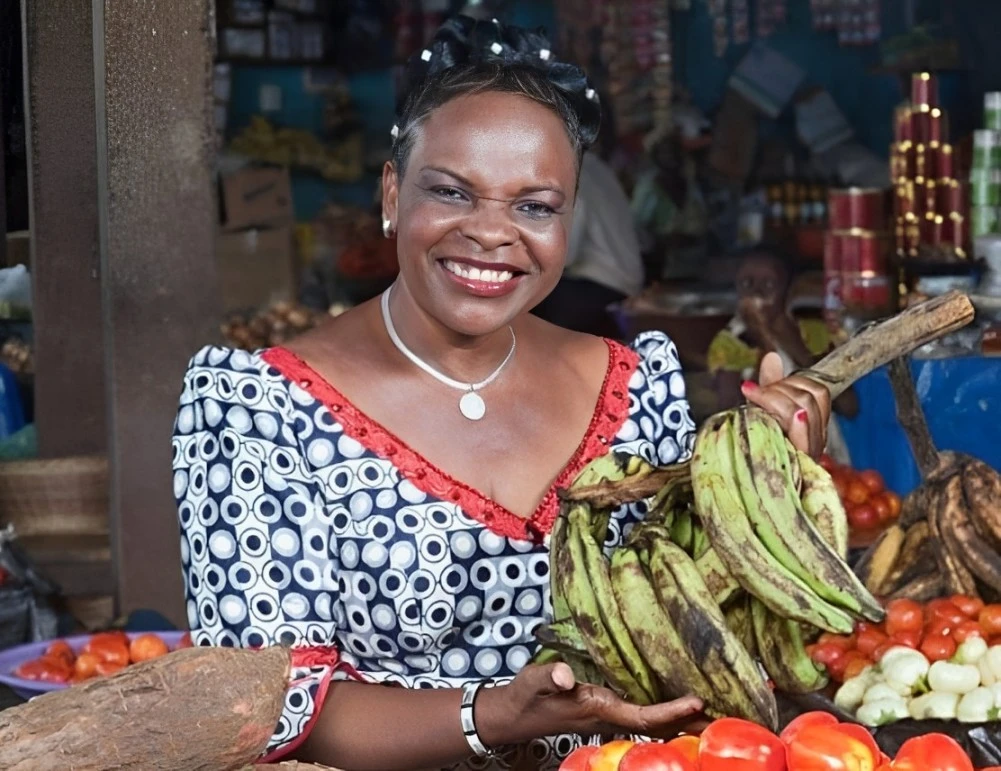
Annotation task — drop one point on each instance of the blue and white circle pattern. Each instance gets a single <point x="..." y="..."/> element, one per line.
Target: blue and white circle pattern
<point x="294" y="532"/>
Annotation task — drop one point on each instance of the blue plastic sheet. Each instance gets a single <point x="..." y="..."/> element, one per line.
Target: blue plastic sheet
<point x="961" y="398"/>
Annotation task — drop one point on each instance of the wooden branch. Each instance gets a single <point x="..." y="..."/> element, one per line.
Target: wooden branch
<point x="611" y="495"/>
<point x="881" y="343"/>
<point x="912" y="417"/>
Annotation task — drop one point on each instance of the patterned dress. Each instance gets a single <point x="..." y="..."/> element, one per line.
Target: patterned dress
<point x="305" y="522"/>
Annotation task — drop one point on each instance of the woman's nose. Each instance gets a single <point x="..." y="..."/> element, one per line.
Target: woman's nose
<point x="489" y="225"/>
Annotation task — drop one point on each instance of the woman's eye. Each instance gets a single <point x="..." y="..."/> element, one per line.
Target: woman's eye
<point x="449" y="193"/>
<point x="537" y="210"/>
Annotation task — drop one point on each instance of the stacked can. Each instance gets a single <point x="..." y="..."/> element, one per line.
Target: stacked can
<point x="930" y="203"/>
<point x="859" y="278"/>
<point x="985" y="177"/>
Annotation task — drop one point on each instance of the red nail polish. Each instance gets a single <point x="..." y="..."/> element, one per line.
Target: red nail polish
<point x="749" y="385"/>
<point x="802" y="416"/>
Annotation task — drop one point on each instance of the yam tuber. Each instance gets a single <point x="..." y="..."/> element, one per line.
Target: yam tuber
<point x="199" y="709"/>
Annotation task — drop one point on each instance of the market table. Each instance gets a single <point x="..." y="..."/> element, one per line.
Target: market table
<point x="961" y="398"/>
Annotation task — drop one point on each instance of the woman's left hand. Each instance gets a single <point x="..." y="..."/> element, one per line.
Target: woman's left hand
<point x="800" y="405"/>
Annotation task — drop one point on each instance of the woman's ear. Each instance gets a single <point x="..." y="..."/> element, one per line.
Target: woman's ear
<point x="390" y="196"/>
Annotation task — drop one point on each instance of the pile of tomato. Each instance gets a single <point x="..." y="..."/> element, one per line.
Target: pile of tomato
<point x="935" y="628"/>
<point x="103" y="654"/>
<point x="816" y="741"/>
<point x="867" y="501"/>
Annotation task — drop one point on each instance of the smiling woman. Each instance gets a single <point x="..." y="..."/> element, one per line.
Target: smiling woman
<point x="380" y="492"/>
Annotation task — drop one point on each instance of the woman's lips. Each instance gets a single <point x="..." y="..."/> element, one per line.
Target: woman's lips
<point x="482" y="282"/>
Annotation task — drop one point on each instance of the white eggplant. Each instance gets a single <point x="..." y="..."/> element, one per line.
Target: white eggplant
<point x="987" y="676"/>
<point x="882" y="712"/>
<point x="953" y="678"/>
<point x="993" y="657"/>
<point x="850" y="694"/>
<point x="934" y="706"/>
<point x="905" y="670"/>
<point x="971" y="651"/>
<point x="976" y="707"/>
<point x="880" y="692"/>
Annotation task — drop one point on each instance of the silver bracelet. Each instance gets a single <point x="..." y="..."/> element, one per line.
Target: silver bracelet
<point x="469" y="691"/>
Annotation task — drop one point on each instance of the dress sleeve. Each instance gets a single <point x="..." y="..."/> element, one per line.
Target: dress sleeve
<point x="660" y="428"/>
<point x="251" y="572"/>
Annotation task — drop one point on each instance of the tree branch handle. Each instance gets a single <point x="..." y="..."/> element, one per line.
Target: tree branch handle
<point x="912" y="417"/>
<point x="879" y="344"/>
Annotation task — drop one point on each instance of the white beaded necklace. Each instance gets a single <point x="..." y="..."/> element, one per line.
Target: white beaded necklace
<point x="471" y="405"/>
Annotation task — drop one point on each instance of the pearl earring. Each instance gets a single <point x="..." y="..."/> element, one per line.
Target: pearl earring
<point x="387" y="228"/>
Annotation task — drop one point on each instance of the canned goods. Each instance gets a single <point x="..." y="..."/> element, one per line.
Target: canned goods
<point x="899" y="168"/>
<point x="924" y="91"/>
<point x="985" y="187"/>
<point x="921" y="166"/>
<point x="984" y="220"/>
<point x="992" y="110"/>
<point x="945" y="162"/>
<point x="932" y="229"/>
<point x="956" y="233"/>
<point x="856" y="207"/>
<point x="986" y="149"/>
<point x="902" y="126"/>
<point x="951" y="197"/>
<point x="903" y="198"/>
<point x="833" y="304"/>
<point x="869" y="296"/>
<point x="930" y="204"/>
<point x="862" y="251"/>
<point x="938" y="127"/>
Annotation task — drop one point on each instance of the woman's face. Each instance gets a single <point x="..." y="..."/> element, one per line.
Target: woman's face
<point x="483" y="211"/>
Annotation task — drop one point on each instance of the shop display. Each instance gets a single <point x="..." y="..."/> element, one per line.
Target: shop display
<point x="100" y="655"/>
<point x="263" y="142"/>
<point x="856" y="22"/>
<point x="141" y="717"/>
<point x="814" y="741"/>
<point x="864" y="495"/>
<point x="985" y="175"/>
<point x="274" y="326"/>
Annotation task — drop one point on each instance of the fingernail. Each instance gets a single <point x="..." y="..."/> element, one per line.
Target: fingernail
<point x="802" y="416"/>
<point x="563" y="677"/>
<point x="749" y="385"/>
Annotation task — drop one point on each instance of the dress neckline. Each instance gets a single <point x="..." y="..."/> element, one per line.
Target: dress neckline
<point x="610" y="413"/>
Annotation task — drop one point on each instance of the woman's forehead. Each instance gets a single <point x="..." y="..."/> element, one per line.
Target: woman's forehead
<point x="496" y="136"/>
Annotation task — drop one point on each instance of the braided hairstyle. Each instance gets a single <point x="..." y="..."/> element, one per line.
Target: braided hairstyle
<point x="468" y="56"/>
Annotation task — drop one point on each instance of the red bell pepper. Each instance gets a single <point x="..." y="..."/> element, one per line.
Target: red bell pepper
<point x="807" y="719"/>
<point x="937" y="751"/>
<point x="731" y="744"/>
<point x="826" y="748"/>
<point x="650" y="756"/>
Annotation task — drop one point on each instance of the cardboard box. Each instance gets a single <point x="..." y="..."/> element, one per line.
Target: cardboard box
<point x="257" y="197"/>
<point x="256" y="268"/>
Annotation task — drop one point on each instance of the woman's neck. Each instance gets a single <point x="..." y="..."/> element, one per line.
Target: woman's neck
<point x="467" y="358"/>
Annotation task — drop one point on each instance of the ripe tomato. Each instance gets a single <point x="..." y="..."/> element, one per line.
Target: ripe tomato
<point x="878" y="653"/>
<point x="869" y="640"/>
<point x="969" y="606"/>
<point x="873" y="481"/>
<point x="861" y="733"/>
<point x="882" y="509"/>
<point x="85" y="665"/>
<point x="146" y="647"/>
<point x="185" y="641"/>
<point x="862" y="516"/>
<point x="44" y="669"/>
<point x="857" y="492"/>
<point x="825" y="748"/>
<point x="938" y="647"/>
<point x="844" y="641"/>
<point x="608" y="755"/>
<point x="688" y="746"/>
<point x="903" y="616"/>
<point x="653" y="756"/>
<point x="938" y="751"/>
<point x="827" y="653"/>
<point x="110" y="651"/>
<point x="828" y="463"/>
<point x="855" y="667"/>
<point x="577" y="760"/>
<point x="800" y="723"/>
<point x="895" y="503"/>
<point x="909" y="639"/>
<point x="60" y="649"/>
<point x="106" y="668"/>
<point x="966" y="630"/>
<point x="990" y="619"/>
<point x="940" y="626"/>
<point x="943" y="608"/>
<point x="853" y="658"/>
<point x="732" y="744"/>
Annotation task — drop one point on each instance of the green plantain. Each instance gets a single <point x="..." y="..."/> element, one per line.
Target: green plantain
<point x="616" y="655"/>
<point x="653" y="632"/>
<point x="738" y="621"/>
<point x="563" y="636"/>
<point x="718" y="579"/>
<point x="764" y="473"/>
<point x="681" y="529"/>
<point x="725" y="520"/>
<point x="740" y="690"/>
<point x="782" y="650"/>
<point x="822" y="503"/>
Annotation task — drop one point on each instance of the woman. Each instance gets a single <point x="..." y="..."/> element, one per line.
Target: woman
<point x="344" y="495"/>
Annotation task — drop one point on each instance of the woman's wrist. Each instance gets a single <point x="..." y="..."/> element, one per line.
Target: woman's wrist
<point x="499" y="721"/>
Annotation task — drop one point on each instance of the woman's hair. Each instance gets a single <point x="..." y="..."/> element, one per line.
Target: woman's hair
<point x="470" y="57"/>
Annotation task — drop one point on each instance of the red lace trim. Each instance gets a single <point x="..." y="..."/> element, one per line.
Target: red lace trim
<point x="610" y="412"/>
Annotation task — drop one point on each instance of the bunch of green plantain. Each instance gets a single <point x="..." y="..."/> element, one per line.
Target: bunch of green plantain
<point x="739" y="561"/>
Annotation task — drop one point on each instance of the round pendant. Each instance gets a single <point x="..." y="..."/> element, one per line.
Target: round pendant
<point x="471" y="406"/>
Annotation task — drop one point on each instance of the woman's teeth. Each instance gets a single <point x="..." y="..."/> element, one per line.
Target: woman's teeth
<point x="475" y="274"/>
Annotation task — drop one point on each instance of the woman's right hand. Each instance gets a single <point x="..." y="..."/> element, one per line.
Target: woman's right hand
<point x="544" y="700"/>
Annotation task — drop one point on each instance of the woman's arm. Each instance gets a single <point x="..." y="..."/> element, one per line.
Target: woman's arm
<point x="365" y="727"/>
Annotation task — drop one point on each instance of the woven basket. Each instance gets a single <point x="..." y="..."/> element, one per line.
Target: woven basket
<point x="59" y="496"/>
